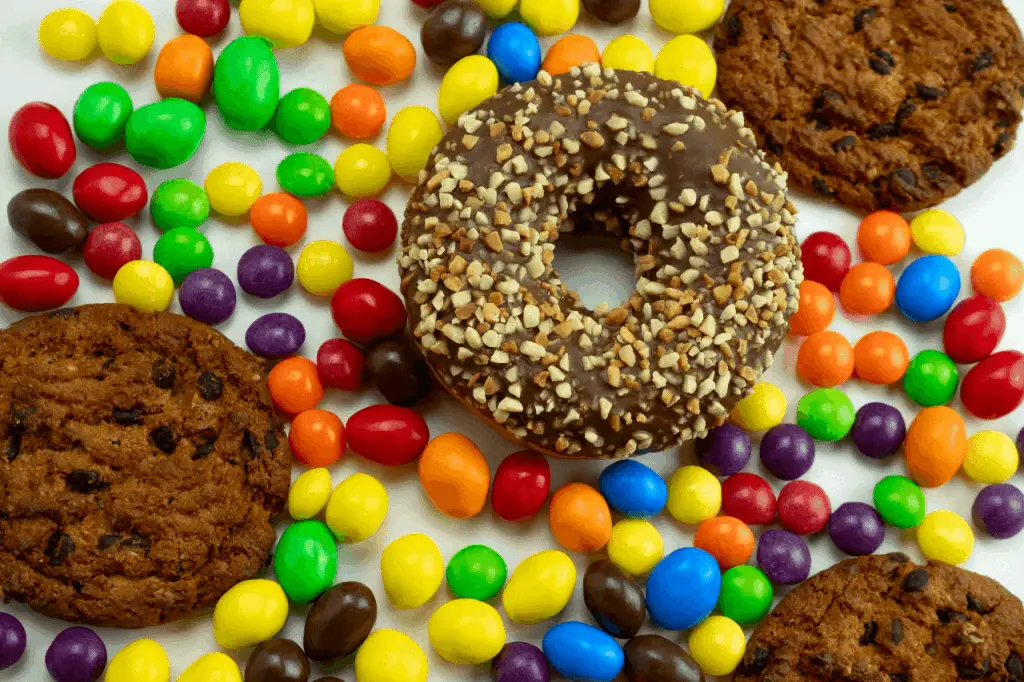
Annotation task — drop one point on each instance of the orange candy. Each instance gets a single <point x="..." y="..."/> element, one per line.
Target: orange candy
<point x="570" y="51"/>
<point x="867" y="289"/>
<point x="997" y="274"/>
<point x="884" y="237"/>
<point x="825" y="359"/>
<point x="317" y="438"/>
<point x="455" y="475"/>
<point x="880" y="358"/>
<point x="184" y="68"/>
<point x="817" y="307"/>
<point x="727" y="539"/>
<point x="294" y="385"/>
<point x="936" y="445"/>
<point x="379" y="55"/>
<point x="278" y="218"/>
<point x="358" y="111"/>
<point x="580" y="518"/>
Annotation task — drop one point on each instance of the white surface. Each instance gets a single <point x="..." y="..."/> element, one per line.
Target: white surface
<point x="989" y="210"/>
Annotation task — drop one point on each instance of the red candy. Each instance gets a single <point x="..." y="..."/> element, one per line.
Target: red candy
<point x="803" y="507"/>
<point x="995" y="386"/>
<point x="203" y="18"/>
<point x="521" y="485"/>
<point x="34" y="283"/>
<point x="367" y="311"/>
<point x="110" y="246"/>
<point x="108" y="192"/>
<point x="826" y="259"/>
<point x="370" y="225"/>
<point x="427" y="4"/>
<point x="387" y="434"/>
<point x="973" y="330"/>
<point x="749" y="498"/>
<point x="339" y="363"/>
<point x="41" y="140"/>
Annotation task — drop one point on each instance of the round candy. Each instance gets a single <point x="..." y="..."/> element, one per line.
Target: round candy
<point x="276" y="660"/>
<point x="689" y="60"/>
<point x="411" y="568"/>
<point x="110" y="246"/>
<point x="998" y="274"/>
<point x="317" y="437"/>
<point x="165" y="134"/>
<point x="927" y="288"/>
<point x="635" y="546"/>
<point x="101" y="114"/>
<point x="749" y="498"/>
<point x="278" y="218"/>
<point x="727" y="539"/>
<point x="973" y="329"/>
<point x="455" y="475"/>
<point x="358" y="111"/>
<point x="302" y="116"/>
<point x="144" y="285"/>
<point x="826" y="259"/>
<point x="369" y="225"/>
<point x="250" y="612"/>
<point x="879" y="430"/>
<point x="694" y="494"/>
<point x="141" y="661"/>
<point x="612" y="11"/>
<point x="379" y="55"/>
<point x="746" y="595"/>
<point x="946" y="537"/>
<point x="856" y="528"/>
<point x="571" y="51"/>
<point x="305" y="175"/>
<point x="285" y="23"/>
<point x="466" y="632"/>
<point x="125" y="32"/>
<point x="629" y="53"/>
<point x="390" y="656"/>
<point x="275" y="335"/>
<point x="825" y="359"/>
<point x="356" y="508"/>
<point x="520" y="662"/>
<point x="362" y="171"/>
<point x="455" y="30"/>
<point x="232" y="188"/>
<point x="340" y="620"/>
<point x="578" y="651"/>
<point x="265" y="271"/>
<point x="580" y="518"/>
<point x="633" y="489"/>
<point x="521" y="485"/>
<point x="469" y="82"/>
<point x="340" y="364"/>
<point x="12" y="640"/>
<point x="184" y="68"/>
<point x="614" y="599"/>
<point x="936" y="231"/>
<point x="683" y="588"/>
<point x="931" y="379"/>
<point x="717" y="645"/>
<point x="880" y="358"/>
<point x="323" y="267"/>
<point x="47" y="219"/>
<point x="247" y="83"/>
<point x="991" y="457"/>
<point x="204" y="18"/>
<point x="867" y="289"/>
<point x="803" y="507"/>
<point x="367" y="311"/>
<point x="884" y="237"/>
<point x="108" y="192"/>
<point x="550" y="17"/>
<point x="725" y="450"/>
<point x="34" y="283"/>
<point x="294" y="385"/>
<point x="41" y="140"/>
<point x="179" y="203"/>
<point x="787" y="451"/>
<point x="309" y="494"/>
<point x="476" y="572"/>
<point x="497" y="9"/>
<point x="935" y="446"/>
<point x="899" y="501"/>
<point x="515" y="51"/>
<point x="76" y="654"/>
<point x="998" y="510"/>
<point x="388" y="434"/>
<point x="817" y="308"/>
<point x="539" y="588"/>
<point x="207" y="295"/>
<point x="412" y="136"/>
<point x="345" y="16"/>
<point x="994" y="387"/>
<point x="305" y="560"/>
<point x="181" y="251"/>
<point x="784" y="557"/>
<point x="68" y="34"/>
<point x="764" y="408"/>
<point x="827" y="414"/>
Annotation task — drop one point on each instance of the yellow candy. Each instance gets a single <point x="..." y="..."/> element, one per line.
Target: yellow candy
<point x="635" y="546"/>
<point x="144" y="285"/>
<point x="215" y="667"/>
<point x="540" y="587"/>
<point x="413" y="134"/>
<point x="345" y="16"/>
<point x="68" y="34"/>
<point x="686" y="16"/>
<point x="688" y="59"/>
<point x="946" y="537"/>
<point x="251" y="612"/>
<point x="323" y="267"/>
<point x="936" y="231"/>
<point x="309" y="494"/>
<point x="991" y="458"/>
<point x="764" y="408"/>
<point x="411" y="568"/>
<point x="549" y="17"/>
<point x="469" y="82"/>
<point x="125" y="31"/>
<point x="390" y="656"/>
<point x="694" y="494"/>
<point x="466" y="632"/>
<point x="357" y="508"/>
<point x="497" y="9"/>
<point x="717" y="645"/>
<point x="362" y="171"/>
<point x="285" y="23"/>
<point x="141" y="661"/>
<point x="233" y="188"/>
<point x="629" y="53"/>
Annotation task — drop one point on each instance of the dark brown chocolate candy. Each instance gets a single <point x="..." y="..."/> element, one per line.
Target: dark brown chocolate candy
<point x="612" y="11"/>
<point x="652" y="658"/>
<point x="614" y="599"/>
<point x="398" y="372"/>
<point x="454" y="29"/>
<point x="49" y="220"/>
<point x="340" y="619"/>
<point x="277" y="660"/>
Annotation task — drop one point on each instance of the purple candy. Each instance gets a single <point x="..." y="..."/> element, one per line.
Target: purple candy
<point x="1020" y="441"/>
<point x="207" y="295"/>
<point x="856" y="528"/>
<point x="12" y="640"/>
<point x="879" y="430"/>
<point x="275" y="335"/>
<point x="784" y="557"/>
<point x="76" y="655"/>
<point x="725" y="451"/>
<point x="520" y="662"/>
<point x="265" y="271"/>
<point x="999" y="510"/>
<point x="787" y="451"/>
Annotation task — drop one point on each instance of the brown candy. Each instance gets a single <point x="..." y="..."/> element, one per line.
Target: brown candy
<point x="277" y="660"/>
<point x="49" y="220"/>
<point x="329" y="679"/>
<point x="454" y="29"/>
<point x="614" y="599"/>
<point x="398" y="372"/>
<point x="612" y="11"/>
<point x="652" y="658"/>
<point x="338" y="622"/>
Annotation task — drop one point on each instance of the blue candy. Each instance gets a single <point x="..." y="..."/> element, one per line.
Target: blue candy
<point x="683" y="588"/>
<point x="927" y="288"/>
<point x="515" y="50"/>
<point x="582" y="652"/>
<point x="633" y="489"/>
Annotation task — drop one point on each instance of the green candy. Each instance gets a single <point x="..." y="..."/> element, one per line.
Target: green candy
<point x="179" y="203"/>
<point x="246" y="83"/>
<point x="101" y="114"/>
<point x="900" y="502"/>
<point x="476" y="572"/>
<point x="303" y="116"/>
<point x="306" y="560"/>
<point x="183" y="250"/>
<point x="746" y="595"/>
<point x="931" y="378"/>
<point x="305" y="175"/>
<point x="165" y="134"/>
<point x="827" y="414"/>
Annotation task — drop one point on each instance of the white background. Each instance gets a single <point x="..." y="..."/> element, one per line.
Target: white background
<point x="990" y="210"/>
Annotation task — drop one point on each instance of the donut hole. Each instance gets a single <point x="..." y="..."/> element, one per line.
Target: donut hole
<point x="593" y="264"/>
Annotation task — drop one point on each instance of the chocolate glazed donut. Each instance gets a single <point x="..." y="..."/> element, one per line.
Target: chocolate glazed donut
<point x="701" y="211"/>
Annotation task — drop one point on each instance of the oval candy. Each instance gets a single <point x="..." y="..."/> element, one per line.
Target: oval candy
<point x="927" y="288"/>
<point x="521" y="485"/>
<point x="339" y="621"/>
<point x="653" y="658"/>
<point x="109" y="192"/>
<point x="306" y="560"/>
<point x="250" y="612"/>
<point x="466" y="632"/>
<point x="357" y="507"/>
<point x="973" y="329"/>
<point x="165" y="134"/>
<point x="582" y="652"/>
<point x="411" y="568"/>
<point x="683" y="588"/>
<point x="387" y="434"/>
<point x="48" y="220"/>
<point x="212" y="667"/>
<point x="994" y="387"/>
<point x="246" y="83"/>
<point x="633" y="489"/>
<point x="614" y="599"/>
<point x="34" y="283"/>
<point x="141" y="661"/>
<point x="101" y="114"/>
<point x="179" y="202"/>
<point x="390" y="656"/>
<point x="540" y="587"/>
<point x="41" y="141"/>
<point x="455" y="475"/>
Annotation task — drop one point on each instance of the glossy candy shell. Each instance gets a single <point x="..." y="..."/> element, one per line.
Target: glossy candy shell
<point x="973" y="329"/>
<point x="165" y="134"/>
<point x="995" y="386"/>
<point x="387" y="434"/>
<point x="31" y="284"/>
<point x="41" y="140"/>
<point x="109" y="192"/>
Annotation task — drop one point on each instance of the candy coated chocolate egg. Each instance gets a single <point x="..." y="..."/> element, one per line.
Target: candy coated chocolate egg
<point x="47" y="219"/>
<point x="277" y="660"/>
<point x="247" y="83"/>
<point x="683" y="588"/>
<point x="367" y="311"/>
<point x="141" y="661"/>
<point x="994" y="387"/>
<point x="108" y="192"/>
<point x="250" y="612"/>
<point x="387" y="434"/>
<point x="399" y="373"/>
<point x="411" y="569"/>
<point x="41" y="141"/>
<point x="101" y="114"/>
<point x="540" y="587"/>
<point x="899" y="501"/>
<point x="973" y="329"/>
<point x="212" y="667"/>
<point x="390" y="656"/>
<point x="521" y="485"/>
<point x="357" y="507"/>
<point x="12" y="640"/>
<point x="515" y="51"/>
<point x="466" y="632"/>
<point x="306" y="560"/>
<point x="612" y="12"/>
<point x="520" y="662"/>
<point x="653" y="658"/>
<point x="77" y="654"/>
<point x="633" y="489"/>
<point x="34" y="283"/>
<point x="165" y="134"/>
<point x="614" y="599"/>
<point x="455" y="475"/>
<point x="582" y="652"/>
<point x="455" y="29"/>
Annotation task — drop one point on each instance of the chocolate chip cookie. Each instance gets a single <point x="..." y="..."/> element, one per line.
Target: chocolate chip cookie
<point x="141" y="465"/>
<point x="885" y="619"/>
<point x="894" y="104"/>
